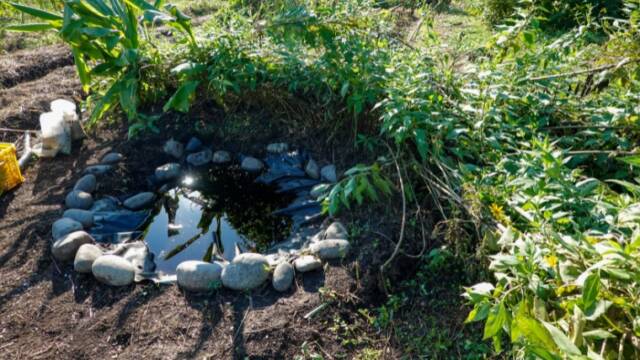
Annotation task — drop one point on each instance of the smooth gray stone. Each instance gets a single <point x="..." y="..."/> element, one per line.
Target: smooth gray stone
<point x="113" y="270"/>
<point x="64" y="226"/>
<point x="139" y="201"/>
<point x="336" y="231"/>
<point x="307" y="263"/>
<point x="283" y="276"/>
<point x="200" y="158"/>
<point x="65" y="248"/>
<point x="251" y="164"/>
<point x="173" y="148"/>
<point x="196" y="275"/>
<point x="330" y="249"/>
<point x="246" y="271"/>
<point x="312" y="169"/>
<point x="85" y="256"/>
<point x="86" y="183"/>
<point x="84" y="217"/>
<point x="193" y="145"/>
<point x="168" y="172"/>
<point x="221" y="157"/>
<point x="78" y="200"/>
<point x="277" y="148"/>
<point x="112" y="158"/>
<point x="98" y="169"/>
<point x="328" y="173"/>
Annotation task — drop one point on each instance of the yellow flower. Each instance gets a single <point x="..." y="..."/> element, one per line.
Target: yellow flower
<point x="497" y="212"/>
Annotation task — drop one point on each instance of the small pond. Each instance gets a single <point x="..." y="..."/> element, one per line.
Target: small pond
<point x="212" y="213"/>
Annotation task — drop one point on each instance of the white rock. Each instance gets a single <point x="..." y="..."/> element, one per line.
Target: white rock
<point x="112" y="158"/>
<point x="139" y="201"/>
<point x="84" y="217"/>
<point x="245" y="272"/>
<point x="167" y="172"/>
<point x="200" y="158"/>
<point x="173" y="148"/>
<point x="328" y="173"/>
<point x="113" y="270"/>
<point x="330" y="249"/>
<point x="86" y="183"/>
<point x="65" y="248"/>
<point x="336" y="231"/>
<point x="221" y="157"/>
<point x="64" y="226"/>
<point x="312" y="169"/>
<point x="283" y="276"/>
<point x="78" y="200"/>
<point x="85" y="256"/>
<point x="198" y="275"/>
<point x="251" y="164"/>
<point x="277" y="148"/>
<point x="307" y="263"/>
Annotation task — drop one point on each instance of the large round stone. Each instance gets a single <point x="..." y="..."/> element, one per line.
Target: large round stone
<point x="139" y="201"/>
<point x="84" y="217"/>
<point x="246" y="271"/>
<point x="283" y="276"/>
<point x="307" y="263"/>
<point x="86" y="183"/>
<point x="193" y="145"/>
<point x="312" y="169"/>
<point x="78" y="200"/>
<point x="167" y="172"/>
<point x="328" y="173"/>
<point x="251" y="164"/>
<point x="112" y="158"/>
<point x="200" y="158"/>
<point x="99" y="169"/>
<point x="336" y="231"/>
<point x="174" y="148"/>
<point x="221" y="157"/>
<point x="113" y="270"/>
<point x="64" y="226"/>
<point x="65" y="248"/>
<point x="86" y="255"/>
<point x="330" y="249"/>
<point x="198" y="275"/>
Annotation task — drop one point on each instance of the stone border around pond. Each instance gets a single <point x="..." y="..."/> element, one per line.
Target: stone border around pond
<point x="72" y="242"/>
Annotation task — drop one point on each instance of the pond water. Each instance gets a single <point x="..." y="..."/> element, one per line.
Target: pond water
<point x="210" y="214"/>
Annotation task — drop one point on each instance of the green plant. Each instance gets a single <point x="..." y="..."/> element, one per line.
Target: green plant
<point x="110" y="47"/>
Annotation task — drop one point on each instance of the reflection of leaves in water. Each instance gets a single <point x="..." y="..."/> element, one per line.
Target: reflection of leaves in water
<point x="246" y="205"/>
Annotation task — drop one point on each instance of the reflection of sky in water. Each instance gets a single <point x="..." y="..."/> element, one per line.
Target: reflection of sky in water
<point x="187" y="217"/>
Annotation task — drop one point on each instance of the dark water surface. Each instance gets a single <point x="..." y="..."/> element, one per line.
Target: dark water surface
<point x="210" y="214"/>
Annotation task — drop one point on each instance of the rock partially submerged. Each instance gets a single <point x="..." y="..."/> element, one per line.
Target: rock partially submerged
<point x="193" y="145"/>
<point x="113" y="270"/>
<point x="312" y="169"/>
<point x="283" y="276"/>
<point x="307" y="263"/>
<point x="78" y="200"/>
<point x="198" y="275"/>
<point x="246" y="271"/>
<point x="139" y="201"/>
<point x="64" y="226"/>
<point x="221" y="157"/>
<point x="85" y="256"/>
<point x="328" y="173"/>
<point x="86" y="183"/>
<point x="330" y="249"/>
<point x="65" y="248"/>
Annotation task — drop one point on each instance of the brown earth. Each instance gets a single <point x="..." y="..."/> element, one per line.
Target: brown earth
<point x="48" y="311"/>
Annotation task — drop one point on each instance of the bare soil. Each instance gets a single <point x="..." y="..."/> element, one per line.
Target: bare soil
<point x="48" y="311"/>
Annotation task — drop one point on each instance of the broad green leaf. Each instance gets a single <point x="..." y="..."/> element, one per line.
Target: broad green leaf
<point x="561" y="340"/>
<point x="590" y="290"/>
<point x="633" y="160"/>
<point x="496" y="319"/>
<point x="45" y="15"/>
<point x="479" y="313"/>
<point x="181" y="100"/>
<point x="35" y="27"/>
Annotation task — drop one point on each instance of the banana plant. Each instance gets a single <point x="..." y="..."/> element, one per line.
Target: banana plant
<point x="108" y="46"/>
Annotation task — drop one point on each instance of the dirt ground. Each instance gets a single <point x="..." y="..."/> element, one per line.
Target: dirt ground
<point x="48" y="311"/>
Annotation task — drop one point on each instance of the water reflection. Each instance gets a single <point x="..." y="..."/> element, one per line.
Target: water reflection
<point x="215" y="214"/>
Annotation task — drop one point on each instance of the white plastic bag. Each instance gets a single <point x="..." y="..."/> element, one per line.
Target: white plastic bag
<point x="55" y="138"/>
<point x="70" y="116"/>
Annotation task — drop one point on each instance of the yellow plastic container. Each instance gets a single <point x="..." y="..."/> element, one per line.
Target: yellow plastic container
<point x="10" y="175"/>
